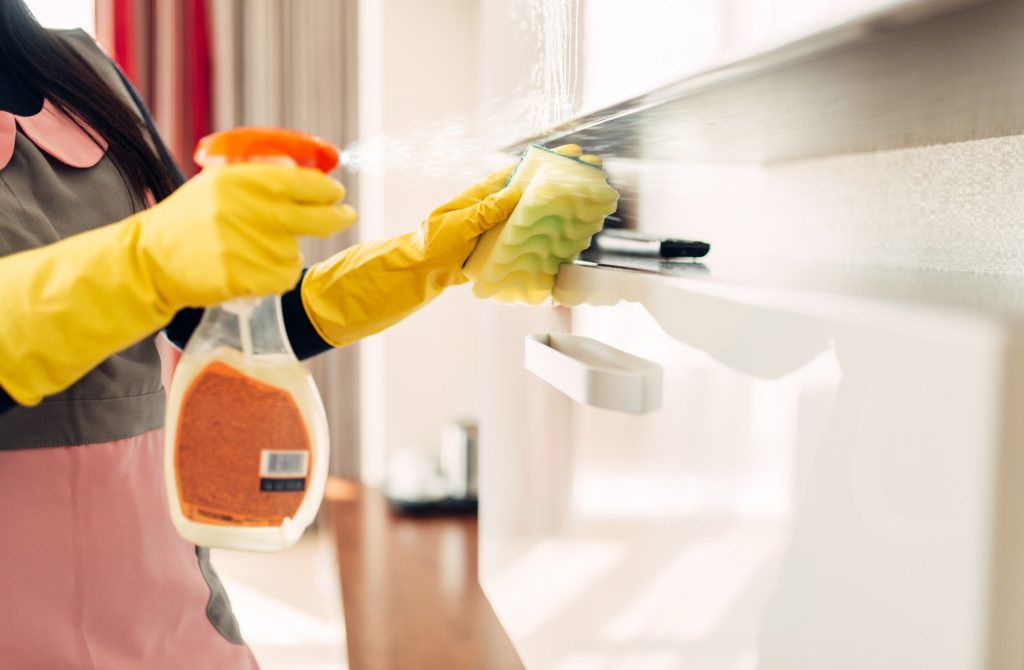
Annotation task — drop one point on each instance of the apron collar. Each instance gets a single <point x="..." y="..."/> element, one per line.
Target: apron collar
<point x="73" y="144"/>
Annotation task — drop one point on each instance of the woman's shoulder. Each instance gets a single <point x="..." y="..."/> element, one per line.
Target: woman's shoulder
<point x="86" y="46"/>
<point x="78" y="39"/>
<point x="83" y="43"/>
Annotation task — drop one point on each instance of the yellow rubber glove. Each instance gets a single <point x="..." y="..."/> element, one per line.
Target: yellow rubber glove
<point x="229" y="232"/>
<point x="373" y="285"/>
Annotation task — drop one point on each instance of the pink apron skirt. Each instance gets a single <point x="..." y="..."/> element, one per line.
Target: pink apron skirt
<point x="92" y="572"/>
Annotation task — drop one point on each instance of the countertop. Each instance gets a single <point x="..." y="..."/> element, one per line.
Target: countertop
<point x="409" y="588"/>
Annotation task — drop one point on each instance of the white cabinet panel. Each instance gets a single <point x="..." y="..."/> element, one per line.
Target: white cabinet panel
<point x="818" y="489"/>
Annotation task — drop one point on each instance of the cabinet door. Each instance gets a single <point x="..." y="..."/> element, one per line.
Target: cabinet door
<point x="812" y="494"/>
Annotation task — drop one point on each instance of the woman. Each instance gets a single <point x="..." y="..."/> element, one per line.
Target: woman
<point x="92" y="574"/>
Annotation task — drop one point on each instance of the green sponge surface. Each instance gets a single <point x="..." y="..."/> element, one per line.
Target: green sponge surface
<point x="564" y="203"/>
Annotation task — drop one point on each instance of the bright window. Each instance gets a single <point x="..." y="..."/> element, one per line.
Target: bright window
<point x="65" y="13"/>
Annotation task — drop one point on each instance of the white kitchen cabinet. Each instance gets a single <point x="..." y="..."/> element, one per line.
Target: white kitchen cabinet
<point x="880" y="76"/>
<point x="832" y="480"/>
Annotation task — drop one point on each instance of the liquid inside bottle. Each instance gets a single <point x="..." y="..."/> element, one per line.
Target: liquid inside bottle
<point x="247" y="440"/>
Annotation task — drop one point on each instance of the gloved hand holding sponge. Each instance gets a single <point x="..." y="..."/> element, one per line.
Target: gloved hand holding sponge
<point x="229" y="232"/>
<point x="373" y="285"/>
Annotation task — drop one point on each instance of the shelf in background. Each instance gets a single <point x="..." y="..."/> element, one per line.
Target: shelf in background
<point x="922" y="74"/>
<point x="768" y="320"/>
<point x="812" y="290"/>
<point x="607" y="278"/>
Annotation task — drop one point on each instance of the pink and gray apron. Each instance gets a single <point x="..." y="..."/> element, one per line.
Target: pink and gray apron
<point x="93" y="575"/>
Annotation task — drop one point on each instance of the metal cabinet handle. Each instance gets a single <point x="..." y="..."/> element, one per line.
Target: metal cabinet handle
<point x="594" y="373"/>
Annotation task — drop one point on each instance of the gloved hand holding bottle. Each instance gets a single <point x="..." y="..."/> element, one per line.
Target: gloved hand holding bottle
<point x="229" y="232"/>
<point x="247" y="444"/>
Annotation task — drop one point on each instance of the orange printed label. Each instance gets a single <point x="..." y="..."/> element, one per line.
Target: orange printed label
<point x="242" y="450"/>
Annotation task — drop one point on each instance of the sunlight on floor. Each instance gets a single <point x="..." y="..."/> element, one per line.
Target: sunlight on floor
<point x="288" y="604"/>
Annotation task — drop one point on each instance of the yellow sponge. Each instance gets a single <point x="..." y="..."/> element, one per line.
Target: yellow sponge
<point x="565" y="201"/>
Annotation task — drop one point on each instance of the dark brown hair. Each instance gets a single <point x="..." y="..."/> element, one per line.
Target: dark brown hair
<point x="44" y="65"/>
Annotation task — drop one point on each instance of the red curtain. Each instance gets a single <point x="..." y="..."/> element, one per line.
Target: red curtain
<point x="164" y="48"/>
<point x="124" y="36"/>
<point x="197" y="36"/>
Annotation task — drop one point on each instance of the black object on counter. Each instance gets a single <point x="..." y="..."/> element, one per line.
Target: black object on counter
<point x="630" y="242"/>
<point x="442" y="507"/>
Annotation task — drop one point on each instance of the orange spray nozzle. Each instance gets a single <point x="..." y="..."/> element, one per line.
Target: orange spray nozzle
<point x="266" y="145"/>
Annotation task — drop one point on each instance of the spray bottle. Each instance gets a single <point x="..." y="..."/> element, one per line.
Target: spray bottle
<point x="247" y="447"/>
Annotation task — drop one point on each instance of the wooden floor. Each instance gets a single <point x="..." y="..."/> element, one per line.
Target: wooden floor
<point x="410" y="590"/>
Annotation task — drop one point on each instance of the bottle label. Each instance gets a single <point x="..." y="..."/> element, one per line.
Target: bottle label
<point x="242" y="450"/>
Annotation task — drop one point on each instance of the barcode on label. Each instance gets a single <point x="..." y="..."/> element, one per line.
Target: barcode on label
<point x="284" y="463"/>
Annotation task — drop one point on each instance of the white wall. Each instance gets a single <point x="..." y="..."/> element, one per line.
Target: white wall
<point x="65" y="13"/>
<point x="951" y="207"/>
<point x="417" y="65"/>
<point x="623" y="57"/>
